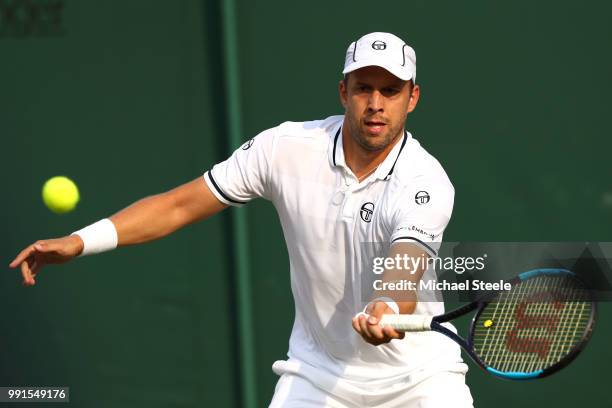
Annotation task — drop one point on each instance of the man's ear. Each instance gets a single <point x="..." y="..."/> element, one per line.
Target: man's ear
<point x="342" y="92"/>
<point x="414" y="98"/>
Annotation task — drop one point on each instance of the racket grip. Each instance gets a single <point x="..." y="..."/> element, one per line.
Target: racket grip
<point x="407" y="323"/>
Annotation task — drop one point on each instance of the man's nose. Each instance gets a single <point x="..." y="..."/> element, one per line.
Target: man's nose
<point x="375" y="102"/>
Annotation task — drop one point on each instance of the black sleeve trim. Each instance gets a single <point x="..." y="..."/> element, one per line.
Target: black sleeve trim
<point x="430" y="249"/>
<point x="216" y="186"/>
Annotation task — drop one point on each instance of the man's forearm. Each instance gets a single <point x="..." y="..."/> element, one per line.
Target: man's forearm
<point x="409" y="272"/>
<point x="157" y="216"/>
<point x="147" y="219"/>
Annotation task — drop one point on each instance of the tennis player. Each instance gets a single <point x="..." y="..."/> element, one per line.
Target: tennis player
<point x="336" y="184"/>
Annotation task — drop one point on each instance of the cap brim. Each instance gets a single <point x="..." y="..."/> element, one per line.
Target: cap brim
<point x="403" y="74"/>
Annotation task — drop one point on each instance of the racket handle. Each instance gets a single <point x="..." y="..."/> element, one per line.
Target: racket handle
<point x="406" y="322"/>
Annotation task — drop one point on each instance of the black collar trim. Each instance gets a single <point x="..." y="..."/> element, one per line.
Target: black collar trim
<point x="388" y="176"/>
<point x="398" y="155"/>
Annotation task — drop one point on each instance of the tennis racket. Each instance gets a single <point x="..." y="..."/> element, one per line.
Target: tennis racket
<point x="530" y="331"/>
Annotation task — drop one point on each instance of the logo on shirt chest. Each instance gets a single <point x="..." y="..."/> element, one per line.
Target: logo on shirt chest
<point x="422" y="197"/>
<point x="366" y="212"/>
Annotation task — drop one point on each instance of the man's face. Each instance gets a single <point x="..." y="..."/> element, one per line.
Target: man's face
<point x="376" y="104"/>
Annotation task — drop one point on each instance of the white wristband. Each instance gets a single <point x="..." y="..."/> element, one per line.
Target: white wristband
<point x="390" y="302"/>
<point x="98" y="237"/>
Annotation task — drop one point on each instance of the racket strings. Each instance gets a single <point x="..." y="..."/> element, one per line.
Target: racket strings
<point x="534" y="325"/>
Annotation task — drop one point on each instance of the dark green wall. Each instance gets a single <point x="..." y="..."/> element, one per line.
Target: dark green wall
<point x="514" y="103"/>
<point x="125" y="103"/>
<point x="128" y="101"/>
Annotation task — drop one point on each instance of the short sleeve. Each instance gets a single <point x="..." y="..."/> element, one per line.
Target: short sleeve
<point x="422" y="213"/>
<point x="245" y="175"/>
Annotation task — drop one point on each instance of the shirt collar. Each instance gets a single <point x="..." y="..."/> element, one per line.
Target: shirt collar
<point x="384" y="170"/>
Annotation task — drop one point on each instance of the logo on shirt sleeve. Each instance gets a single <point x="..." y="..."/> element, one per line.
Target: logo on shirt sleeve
<point x="414" y="228"/>
<point x="366" y="212"/>
<point x="422" y="197"/>
<point x="248" y="144"/>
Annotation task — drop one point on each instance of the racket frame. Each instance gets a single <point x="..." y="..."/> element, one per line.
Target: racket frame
<point x="468" y="344"/>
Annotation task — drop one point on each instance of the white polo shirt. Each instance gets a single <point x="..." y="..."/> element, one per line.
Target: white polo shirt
<point x="328" y="217"/>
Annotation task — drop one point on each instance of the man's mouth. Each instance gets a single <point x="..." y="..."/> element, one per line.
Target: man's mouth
<point x="375" y="127"/>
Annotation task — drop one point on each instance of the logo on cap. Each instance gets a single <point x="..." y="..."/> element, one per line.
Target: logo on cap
<point x="366" y="212"/>
<point x="379" y="45"/>
<point x="422" y="197"/>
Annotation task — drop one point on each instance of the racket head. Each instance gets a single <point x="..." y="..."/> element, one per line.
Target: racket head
<point x="536" y="328"/>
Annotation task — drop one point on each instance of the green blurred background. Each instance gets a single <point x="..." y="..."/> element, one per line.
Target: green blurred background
<point x="131" y="98"/>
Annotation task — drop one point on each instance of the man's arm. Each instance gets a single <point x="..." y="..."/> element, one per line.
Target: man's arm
<point x="146" y="220"/>
<point x="412" y="265"/>
<point x="162" y="214"/>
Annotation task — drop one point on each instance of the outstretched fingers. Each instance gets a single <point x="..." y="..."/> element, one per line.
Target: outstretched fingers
<point x="23" y="255"/>
<point x="26" y="273"/>
<point x="29" y="262"/>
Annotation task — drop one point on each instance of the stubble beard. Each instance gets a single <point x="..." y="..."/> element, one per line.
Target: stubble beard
<point x="369" y="143"/>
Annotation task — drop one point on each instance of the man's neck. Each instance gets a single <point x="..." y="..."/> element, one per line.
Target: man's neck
<point x="362" y="161"/>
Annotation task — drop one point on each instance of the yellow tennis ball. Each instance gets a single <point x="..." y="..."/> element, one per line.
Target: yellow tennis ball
<point x="488" y="323"/>
<point x="60" y="194"/>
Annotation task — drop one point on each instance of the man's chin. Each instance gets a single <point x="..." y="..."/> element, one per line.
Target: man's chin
<point x="373" y="144"/>
<point x="376" y="141"/>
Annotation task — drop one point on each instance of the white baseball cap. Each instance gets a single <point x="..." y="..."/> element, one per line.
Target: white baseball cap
<point x="383" y="50"/>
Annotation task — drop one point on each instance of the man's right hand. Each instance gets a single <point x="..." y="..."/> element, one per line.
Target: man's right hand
<point x="151" y="218"/>
<point x="48" y="251"/>
<point x="367" y="324"/>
